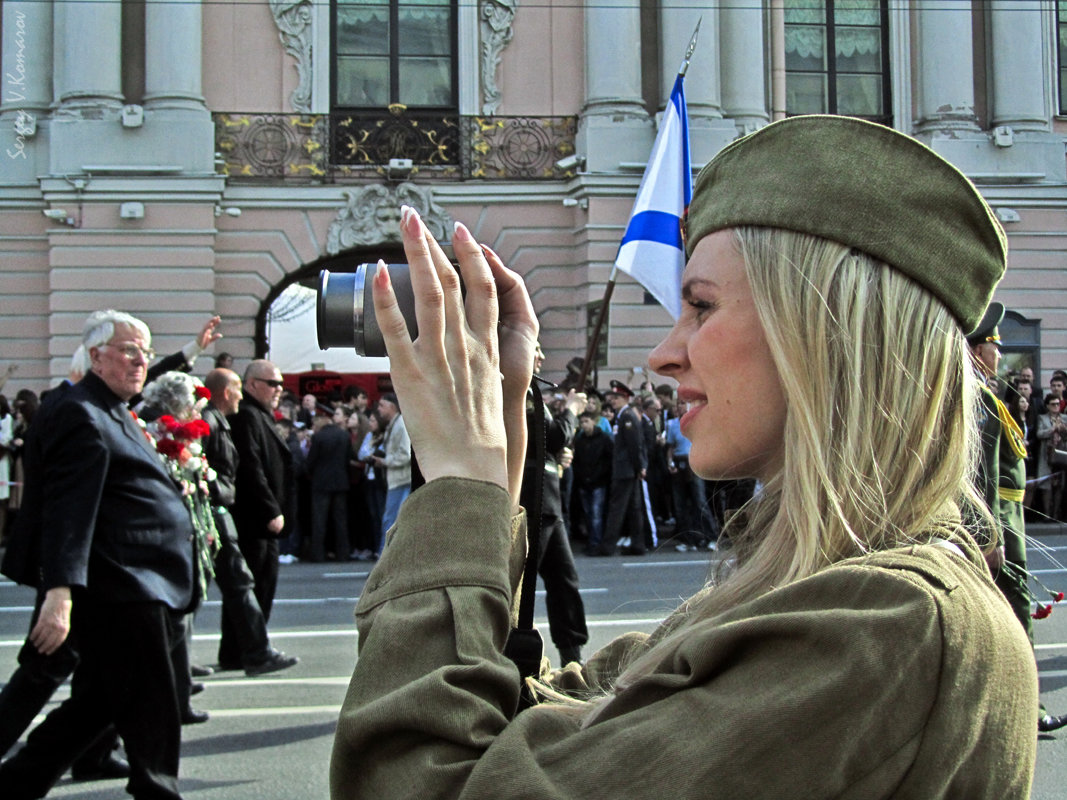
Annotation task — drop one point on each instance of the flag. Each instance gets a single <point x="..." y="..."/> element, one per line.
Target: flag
<point x="652" y="252"/>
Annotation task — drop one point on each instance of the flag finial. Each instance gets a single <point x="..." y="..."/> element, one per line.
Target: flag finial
<point x="689" y="50"/>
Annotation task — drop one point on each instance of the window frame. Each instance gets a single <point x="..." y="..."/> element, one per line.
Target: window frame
<point x="832" y="73"/>
<point x="394" y="63"/>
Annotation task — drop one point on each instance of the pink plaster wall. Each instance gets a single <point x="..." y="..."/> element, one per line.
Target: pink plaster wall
<point x="542" y="71"/>
<point x="245" y="67"/>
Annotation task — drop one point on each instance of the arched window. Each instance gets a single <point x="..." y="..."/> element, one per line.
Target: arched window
<point x="837" y="59"/>
<point x="394" y="52"/>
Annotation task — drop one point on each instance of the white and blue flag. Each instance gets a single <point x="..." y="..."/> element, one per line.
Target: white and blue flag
<point x="652" y="252"/>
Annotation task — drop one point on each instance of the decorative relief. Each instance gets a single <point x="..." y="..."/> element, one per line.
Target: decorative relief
<point x="497" y="18"/>
<point x="309" y="147"/>
<point x="272" y="145"/>
<point x="374" y="139"/>
<point x="294" y="29"/>
<point x="371" y="216"/>
<point x="517" y="147"/>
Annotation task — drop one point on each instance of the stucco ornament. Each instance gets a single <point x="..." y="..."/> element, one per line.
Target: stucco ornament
<point x="497" y="17"/>
<point x="371" y="216"/>
<point x="294" y="29"/>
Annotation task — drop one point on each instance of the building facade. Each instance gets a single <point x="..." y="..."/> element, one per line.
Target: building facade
<point x="176" y="159"/>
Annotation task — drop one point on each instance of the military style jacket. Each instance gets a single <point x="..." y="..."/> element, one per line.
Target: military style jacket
<point x="898" y="675"/>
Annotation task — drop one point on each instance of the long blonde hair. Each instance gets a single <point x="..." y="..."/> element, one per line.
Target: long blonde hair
<point x="881" y="435"/>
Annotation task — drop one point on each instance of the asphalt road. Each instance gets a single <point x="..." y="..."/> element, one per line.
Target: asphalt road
<point x="269" y="738"/>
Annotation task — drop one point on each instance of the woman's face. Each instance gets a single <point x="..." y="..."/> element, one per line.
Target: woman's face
<point x="718" y="354"/>
<point x="1024" y="404"/>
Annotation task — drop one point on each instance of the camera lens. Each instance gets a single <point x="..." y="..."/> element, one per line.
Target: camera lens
<point x="345" y="310"/>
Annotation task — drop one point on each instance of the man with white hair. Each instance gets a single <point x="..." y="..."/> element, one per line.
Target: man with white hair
<point x="113" y="552"/>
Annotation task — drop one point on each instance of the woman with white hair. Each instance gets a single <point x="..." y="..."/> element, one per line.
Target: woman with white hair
<point x="856" y="647"/>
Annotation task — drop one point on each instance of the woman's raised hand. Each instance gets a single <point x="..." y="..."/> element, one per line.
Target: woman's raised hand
<point x="461" y="383"/>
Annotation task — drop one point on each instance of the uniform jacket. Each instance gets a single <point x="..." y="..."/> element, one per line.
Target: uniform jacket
<point x="559" y="431"/>
<point x="264" y="469"/>
<point x="899" y="675"/>
<point x="328" y="457"/>
<point x="629" y="456"/>
<point x="221" y="455"/>
<point x="112" y="521"/>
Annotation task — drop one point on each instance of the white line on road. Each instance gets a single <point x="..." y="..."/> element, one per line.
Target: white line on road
<point x="666" y="564"/>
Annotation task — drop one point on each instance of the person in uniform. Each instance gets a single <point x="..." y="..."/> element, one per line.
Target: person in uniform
<point x="628" y="467"/>
<point x="1002" y="482"/>
<point x="855" y="646"/>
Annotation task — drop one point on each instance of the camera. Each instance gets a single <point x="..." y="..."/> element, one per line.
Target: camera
<point x="344" y="314"/>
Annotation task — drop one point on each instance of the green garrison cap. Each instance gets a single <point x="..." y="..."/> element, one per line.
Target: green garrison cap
<point x="866" y="186"/>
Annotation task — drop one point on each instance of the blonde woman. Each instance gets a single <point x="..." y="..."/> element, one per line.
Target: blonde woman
<point x="858" y="649"/>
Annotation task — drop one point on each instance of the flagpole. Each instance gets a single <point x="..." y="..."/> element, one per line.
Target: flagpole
<point x="609" y="289"/>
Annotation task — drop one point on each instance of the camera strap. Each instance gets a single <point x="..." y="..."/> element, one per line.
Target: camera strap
<point x="525" y="647"/>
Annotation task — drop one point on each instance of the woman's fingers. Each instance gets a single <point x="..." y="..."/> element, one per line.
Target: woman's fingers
<point x="481" y="303"/>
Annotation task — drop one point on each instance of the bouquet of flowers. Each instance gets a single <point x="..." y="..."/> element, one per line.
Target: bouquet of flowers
<point x="179" y="448"/>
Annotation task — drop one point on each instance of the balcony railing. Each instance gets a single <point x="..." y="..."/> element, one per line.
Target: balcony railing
<point x="327" y="148"/>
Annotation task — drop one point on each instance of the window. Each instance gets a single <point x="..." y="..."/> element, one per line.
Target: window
<point x="394" y="51"/>
<point x="1061" y="36"/>
<point x="836" y="58"/>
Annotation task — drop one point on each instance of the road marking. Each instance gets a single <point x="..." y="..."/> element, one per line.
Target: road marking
<point x="666" y="564"/>
<point x="276" y="711"/>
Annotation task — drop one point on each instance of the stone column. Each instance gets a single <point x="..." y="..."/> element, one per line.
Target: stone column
<point x="1019" y="76"/>
<point x="708" y="131"/>
<point x="946" y="66"/>
<point x="25" y="89"/>
<point x="173" y="33"/>
<point x="743" y="62"/>
<point x="614" y="127"/>
<point x="26" y="69"/>
<point x="88" y="41"/>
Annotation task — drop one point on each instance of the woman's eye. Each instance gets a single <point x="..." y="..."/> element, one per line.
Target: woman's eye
<point x="701" y="308"/>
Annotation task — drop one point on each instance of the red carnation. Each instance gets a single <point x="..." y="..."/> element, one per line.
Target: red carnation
<point x="169" y="423"/>
<point x="171" y="448"/>
<point x="278" y="415"/>
<point x="203" y="393"/>
<point x="193" y="429"/>
<point x="1058" y="596"/>
<point x="1042" y="611"/>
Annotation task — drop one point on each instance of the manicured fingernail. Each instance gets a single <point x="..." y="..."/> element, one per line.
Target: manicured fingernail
<point x="381" y="276"/>
<point x="490" y="253"/>
<point x="410" y="222"/>
<point x="461" y="233"/>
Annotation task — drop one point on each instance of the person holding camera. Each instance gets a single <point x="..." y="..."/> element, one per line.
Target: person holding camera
<point x="857" y="646"/>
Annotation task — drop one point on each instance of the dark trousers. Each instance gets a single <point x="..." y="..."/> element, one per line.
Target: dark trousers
<point x="593" y="500"/>
<point x="624" y="515"/>
<point x="32" y="685"/>
<point x="126" y="674"/>
<point x="261" y="560"/>
<point x="566" y="612"/>
<point x="244" y="640"/>
<point x="329" y="509"/>
<point x="695" y="523"/>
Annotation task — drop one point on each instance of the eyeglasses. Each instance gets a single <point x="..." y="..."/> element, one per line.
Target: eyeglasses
<point x="271" y="383"/>
<point x="130" y="351"/>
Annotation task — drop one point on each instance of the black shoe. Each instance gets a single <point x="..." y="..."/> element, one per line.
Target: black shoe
<point x="198" y="671"/>
<point x="196" y="687"/>
<point x="227" y="666"/>
<point x="1050" y="723"/>
<point x="111" y="768"/>
<point x="277" y="660"/>
<point x="193" y="717"/>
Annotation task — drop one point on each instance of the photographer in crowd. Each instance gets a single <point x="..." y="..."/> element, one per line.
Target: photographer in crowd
<point x="857" y="648"/>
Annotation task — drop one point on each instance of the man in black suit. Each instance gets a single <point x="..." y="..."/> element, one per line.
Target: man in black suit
<point x="264" y="480"/>
<point x="240" y="607"/>
<point x="327" y="464"/>
<point x="628" y="466"/>
<point x="114" y="559"/>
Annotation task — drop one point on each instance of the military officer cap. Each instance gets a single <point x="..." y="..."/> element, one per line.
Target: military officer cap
<point x="865" y="186"/>
<point x="987" y="330"/>
<point x="620" y="388"/>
